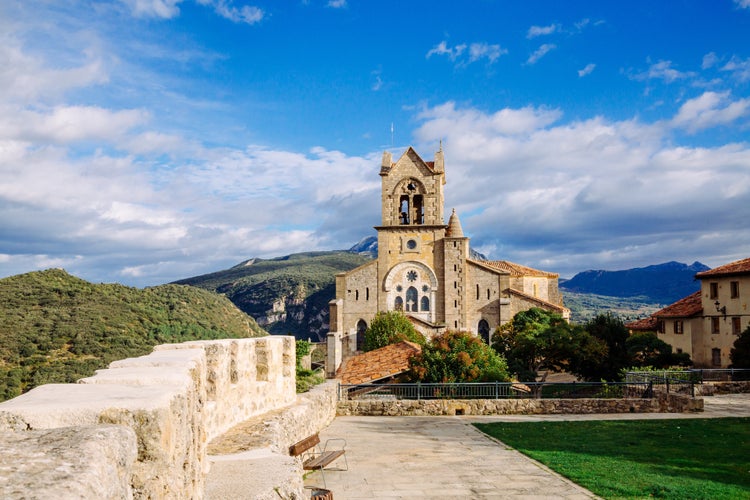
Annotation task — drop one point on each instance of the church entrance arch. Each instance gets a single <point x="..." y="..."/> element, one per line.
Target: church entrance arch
<point x="484" y="331"/>
<point x="411" y="286"/>
<point x="361" y="329"/>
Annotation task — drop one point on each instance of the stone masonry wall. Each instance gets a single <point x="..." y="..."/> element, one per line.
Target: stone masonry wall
<point x="674" y="403"/>
<point x="149" y="418"/>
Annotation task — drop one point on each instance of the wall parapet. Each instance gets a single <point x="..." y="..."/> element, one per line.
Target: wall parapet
<point x="167" y="405"/>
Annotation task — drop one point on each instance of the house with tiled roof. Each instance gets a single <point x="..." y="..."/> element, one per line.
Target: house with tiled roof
<point x="706" y="323"/>
<point x="425" y="269"/>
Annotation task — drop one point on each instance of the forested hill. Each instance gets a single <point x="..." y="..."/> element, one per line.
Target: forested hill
<point x="662" y="283"/>
<point x="286" y="295"/>
<point x="55" y="327"/>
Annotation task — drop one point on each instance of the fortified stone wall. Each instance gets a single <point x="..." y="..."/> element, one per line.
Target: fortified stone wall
<point x="139" y="429"/>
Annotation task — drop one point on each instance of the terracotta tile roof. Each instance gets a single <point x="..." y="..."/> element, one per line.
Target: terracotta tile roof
<point x="539" y="301"/>
<point x="644" y="325"/>
<point x="516" y="270"/>
<point x="378" y="364"/>
<point x="736" y="267"/>
<point x="683" y="308"/>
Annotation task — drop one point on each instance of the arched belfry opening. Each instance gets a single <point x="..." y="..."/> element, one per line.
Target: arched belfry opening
<point x="411" y="194"/>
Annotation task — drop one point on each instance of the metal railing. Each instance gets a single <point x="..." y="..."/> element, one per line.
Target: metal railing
<point x="697" y="376"/>
<point x="497" y="390"/>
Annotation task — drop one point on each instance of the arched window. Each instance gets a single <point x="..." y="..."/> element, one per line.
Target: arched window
<point x="361" y="329"/>
<point x="484" y="331"/>
<point x="412" y="299"/>
<point x="403" y="210"/>
<point x="425" y="303"/>
<point x="399" y="304"/>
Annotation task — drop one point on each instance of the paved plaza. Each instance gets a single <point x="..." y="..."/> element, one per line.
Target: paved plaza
<point x="446" y="457"/>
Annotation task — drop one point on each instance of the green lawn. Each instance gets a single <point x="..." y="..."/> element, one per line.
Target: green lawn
<point x="675" y="458"/>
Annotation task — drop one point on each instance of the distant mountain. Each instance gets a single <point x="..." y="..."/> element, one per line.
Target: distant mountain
<point x="661" y="283"/>
<point x="55" y="327"/>
<point x="287" y="295"/>
<point x="369" y="246"/>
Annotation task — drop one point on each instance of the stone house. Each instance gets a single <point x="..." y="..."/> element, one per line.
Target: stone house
<point x="424" y="268"/>
<point x="706" y="323"/>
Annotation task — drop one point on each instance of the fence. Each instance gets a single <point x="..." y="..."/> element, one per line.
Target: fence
<point x="683" y="381"/>
<point x="498" y="390"/>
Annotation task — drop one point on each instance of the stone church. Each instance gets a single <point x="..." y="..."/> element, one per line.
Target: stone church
<point x="425" y="269"/>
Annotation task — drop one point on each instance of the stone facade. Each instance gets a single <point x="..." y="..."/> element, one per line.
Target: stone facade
<point x="424" y="268"/>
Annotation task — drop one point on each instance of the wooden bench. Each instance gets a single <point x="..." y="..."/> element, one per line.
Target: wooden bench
<point x="314" y="458"/>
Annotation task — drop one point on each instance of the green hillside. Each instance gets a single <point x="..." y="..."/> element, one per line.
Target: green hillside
<point x="287" y="295"/>
<point x="55" y="327"/>
<point x="585" y="306"/>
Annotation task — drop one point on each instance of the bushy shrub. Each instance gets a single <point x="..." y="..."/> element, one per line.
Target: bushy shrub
<point x="458" y="357"/>
<point x="390" y="328"/>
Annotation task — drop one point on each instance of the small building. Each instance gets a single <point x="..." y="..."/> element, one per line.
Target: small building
<point x="706" y="324"/>
<point x="424" y="267"/>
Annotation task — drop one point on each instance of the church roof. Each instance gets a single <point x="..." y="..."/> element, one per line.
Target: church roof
<point x="454" y="227"/>
<point x="541" y="302"/>
<point x="736" y="267"/>
<point x="379" y="364"/>
<point x="517" y="270"/>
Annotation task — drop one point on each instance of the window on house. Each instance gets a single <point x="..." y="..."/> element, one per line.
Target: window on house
<point x="399" y="304"/>
<point x="660" y="327"/>
<point x="477" y="292"/>
<point x="736" y="326"/>
<point x="734" y="287"/>
<point x="716" y="357"/>
<point x="678" y="327"/>
<point x="679" y="351"/>
<point x="715" y="325"/>
<point x="367" y="294"/>
<point x="488" y="294"/>
<point x="713" y="292"/>
<point x="356" y="295"/>
<point x="361" y="329"/>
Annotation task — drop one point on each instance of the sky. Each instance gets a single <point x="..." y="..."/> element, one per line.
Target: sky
<point x="146" y="141"/>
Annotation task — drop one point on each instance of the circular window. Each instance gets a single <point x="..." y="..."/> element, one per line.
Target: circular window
<point x="425" y="288"/>
<point x="399" y="288"/>
<point x="411" y="244"/>
<point x="411" y="276"/>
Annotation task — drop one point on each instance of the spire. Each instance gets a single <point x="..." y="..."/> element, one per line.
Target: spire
<point x="440" y="160"/>
<point x="454" y="227"/>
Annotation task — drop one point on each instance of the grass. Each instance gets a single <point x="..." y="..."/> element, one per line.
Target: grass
<point x="671" y="459"/>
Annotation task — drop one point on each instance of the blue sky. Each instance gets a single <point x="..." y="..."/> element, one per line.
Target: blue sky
<point x="144" y="141"/>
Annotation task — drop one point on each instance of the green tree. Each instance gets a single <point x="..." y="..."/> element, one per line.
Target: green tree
<point x="537" y="339"/>
<point x="646" y="349"/>
<point x="740" y="353"/>
<point x="611" y="330"/>
<point x="389" y="328"/>
<point x="458" y="357"/>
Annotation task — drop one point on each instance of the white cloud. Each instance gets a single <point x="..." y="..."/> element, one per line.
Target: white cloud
<point x="709" y="60"/>
<point x="246" y="14"/>
<point x="743" y="4"/>
<point x="711" y="109"/>
<point x="540" y="52"/>
<point x="165" y="9"/>
<point x="740" y="69"/>
<point x="476" y="52"/>
<point x="591" y="190"/>
<point x="536" y="31"/>
<point x="337" y="4"/>
<point x="586" y="70"/>
<point x="663" y="70"/>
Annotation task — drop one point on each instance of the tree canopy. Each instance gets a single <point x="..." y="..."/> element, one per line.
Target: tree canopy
<point x="647" y="349"/>
<point x="611" y="330"/>
<point x="537" y="339"/>
<point x="740" y="353"/>
<point x="389" y="328"/>
<point x="458" y="357"/>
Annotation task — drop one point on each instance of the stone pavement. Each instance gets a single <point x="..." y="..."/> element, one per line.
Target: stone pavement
<point x="446" y="457"/>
